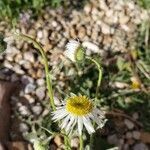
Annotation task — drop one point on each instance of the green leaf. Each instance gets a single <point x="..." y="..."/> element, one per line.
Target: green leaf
<point x="120" y="63"/>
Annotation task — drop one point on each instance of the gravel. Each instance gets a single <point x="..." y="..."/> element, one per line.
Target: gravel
<point x="101" y="26"/>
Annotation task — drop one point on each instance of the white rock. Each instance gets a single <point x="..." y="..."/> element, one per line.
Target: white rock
<point x="45" y="112"/>
<point x="26" y="64"/>
<point x="131" y="5"/>
<point x="125" y="27"/>
<point x="91" y="46"/>
<point x="12" y="50"/>
<point x="129" y="124"/>
<point x="87" y="8"/>
<point x="40" y="92"/>
<point x="8" y="65"/>
<point x="105" y="29"/>
<point x="29" y="56"/>
<point x="75" y="142"/>
<point x="23" y="127"/>
<point x="30" y="99"/>
<point x="10" y="57"/>
<point x="37" y="110"/>
<point x="136" y="135"/>
<point x="29" y="88"/>
<point x="40" y="82"/>
<point x="39" y="34"/>
<point x="24" y="111"/>
<point x="120" y="85"/>
<point x="18" y="69"/>
<point x="123" y="19"/>
<point x="129" y="135"/>
<point x="54" y="23"/>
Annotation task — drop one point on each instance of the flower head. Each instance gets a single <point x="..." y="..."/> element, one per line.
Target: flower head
<point x="79" y="110"/>
<point x="74" y="51"/>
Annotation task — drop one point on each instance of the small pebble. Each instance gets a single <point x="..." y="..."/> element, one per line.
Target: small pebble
<point x="40" y="92"/>
<point x="75" y="142"/>
<point x="40" y="82"/>
<point x="24" y="111"/>
<point x="140" y="146"/>
<point x="37" y="110"/>
<point x="23" y="127"/>
<point x="129" y="124"/>
<point x="135" y="115"/>
<point x="29" y="56"/>
<point x="29" y="88"/>
<point x="30" y="99"/>
<point x="136" y="135"/>
<point x="129" y="135"/>
<point x="112" y="139"/>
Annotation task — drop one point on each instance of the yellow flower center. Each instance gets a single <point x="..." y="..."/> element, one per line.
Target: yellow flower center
<point x="79" y="105"/>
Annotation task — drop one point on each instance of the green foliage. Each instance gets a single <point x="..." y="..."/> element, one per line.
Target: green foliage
<point x="144" y="3"/>
<point x="10" y="9"/>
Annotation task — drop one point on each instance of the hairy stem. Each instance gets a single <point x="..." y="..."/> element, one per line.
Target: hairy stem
<point x="99" y="75"/>
<point x="47" y="72"/>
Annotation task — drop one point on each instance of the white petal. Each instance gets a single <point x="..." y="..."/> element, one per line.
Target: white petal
<point x="71" y="48"/>
<point x="65" y="122"/>
<point x="58" y="116"/>
<point x="70" y="54"/>
<point x="68" y="127"/>
<point x="80" y="125"/>
<point x="88" y="125"/>
<point x="74" y="123"/>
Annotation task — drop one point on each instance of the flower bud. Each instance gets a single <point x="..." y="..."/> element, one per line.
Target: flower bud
<point x="74" y="51"/>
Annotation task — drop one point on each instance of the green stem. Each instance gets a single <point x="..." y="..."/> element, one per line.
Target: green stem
<point x="99" y="75"/>
<point x="47" y="72"/>
<point x="81" y="142"/>
<point x="92" y="141"/>
<point x="96" y="93"/>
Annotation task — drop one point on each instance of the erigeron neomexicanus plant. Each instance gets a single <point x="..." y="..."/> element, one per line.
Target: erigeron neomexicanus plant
<point x="76" y="111"/>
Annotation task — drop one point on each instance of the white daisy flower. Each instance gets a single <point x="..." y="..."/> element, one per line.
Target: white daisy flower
<point x="80" y="111"/>
<point x="74" y="51"/>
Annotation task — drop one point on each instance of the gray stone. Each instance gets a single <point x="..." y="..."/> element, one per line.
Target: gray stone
<point x="140" y="146"/>
<point x="18" y="69"/>
<point x="37" y="110"/>
<point x="129" y="124"/>
<point x="27" y="79"/>
<point x="29" y="56"/>
<point x="30" y="99"/>
<point x="29" y="88"/>
<point x="24" y="111"/>
<point x="40" y="92"/>
<point x="136" y="135"/>
<point x="105" y="29"/>
<point x="129" y="135"/>
<point x="112" y="139"/>
<point x="23" y="127"/>
<point x="40" y="82"/>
